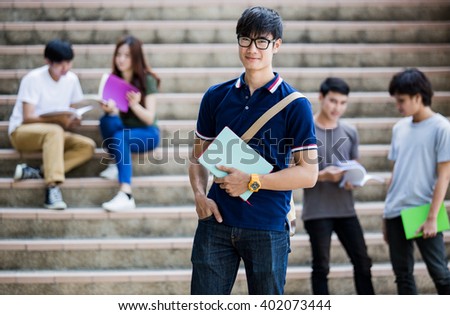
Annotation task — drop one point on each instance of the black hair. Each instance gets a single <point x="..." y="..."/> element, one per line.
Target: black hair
<point x="57" y="50"/>
<point x="332" y="84"/>
<point x="258" y="21"/>
<point x="412" y="82"/>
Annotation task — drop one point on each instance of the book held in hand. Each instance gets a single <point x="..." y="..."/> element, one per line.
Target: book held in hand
<point x="77" y="111"/>
<point x="115" y="88"/>
<point x="230" y="150"/>
<point x="356" y="174"/>
<point x="413" y="218"/>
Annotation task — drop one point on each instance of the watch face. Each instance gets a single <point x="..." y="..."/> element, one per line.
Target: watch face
<point x="254" y="185"/>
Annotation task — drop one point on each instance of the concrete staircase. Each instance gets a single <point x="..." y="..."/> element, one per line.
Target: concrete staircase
<point x="191" y="45"/>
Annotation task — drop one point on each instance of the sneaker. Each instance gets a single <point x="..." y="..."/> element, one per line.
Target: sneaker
<point x="24" y="171"/>
<point x="53" y="199"/>
<point x="119" y="203"/>
<point x="111" y="172"/>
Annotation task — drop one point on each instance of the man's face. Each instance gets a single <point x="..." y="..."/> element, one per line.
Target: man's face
<point x="254" y="58"/>
<point x="333" y="105"/>
<point x="59" y="69"/>
<point x="407" y="105"/>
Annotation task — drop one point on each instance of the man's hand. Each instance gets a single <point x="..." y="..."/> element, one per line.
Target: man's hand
<point x="67" y="121"/>
<point x="428" y="228"/>
<point x="332" y="174"/>
<point x="235" y="183"/>
<point x="74" y="122"/>
<point x="206" y="207"/>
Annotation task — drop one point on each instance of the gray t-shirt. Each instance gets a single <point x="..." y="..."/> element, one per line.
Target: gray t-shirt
<point x="416" y="148"/>
<point x="326" y="199"/>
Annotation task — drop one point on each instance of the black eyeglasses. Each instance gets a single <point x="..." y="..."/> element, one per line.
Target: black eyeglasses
<point x="260" y="43"/>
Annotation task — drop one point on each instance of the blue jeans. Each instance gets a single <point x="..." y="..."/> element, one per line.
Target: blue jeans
<point x="401" y="251"/>
<point x="120" y="142"/>
<point x="218" y="250"/>
<point x="350" y="234"/>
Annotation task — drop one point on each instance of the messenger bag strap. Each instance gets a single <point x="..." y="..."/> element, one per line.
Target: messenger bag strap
<point x="248" y="135"/>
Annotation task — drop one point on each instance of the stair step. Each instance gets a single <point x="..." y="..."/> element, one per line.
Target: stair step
<point x="176" y="133"/>
<point x="180" y="133"/>
<point x="167" y="221"/>
<point x="178" y="281"/>
<point x="219" y="10"/>
<point x="165" y="160"/>
<point x="223" y="55"/>
<point x="223" y="31"/>
<point x="147" y="190"/>
<point x="184" y="106"/>
<point x="195" y="80"/>
<point x="151" y="253"/>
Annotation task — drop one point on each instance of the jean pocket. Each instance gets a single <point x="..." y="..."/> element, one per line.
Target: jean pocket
<point x="208" y="218"/>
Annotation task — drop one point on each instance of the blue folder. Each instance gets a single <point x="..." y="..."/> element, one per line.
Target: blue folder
<point x="230" y="150"/>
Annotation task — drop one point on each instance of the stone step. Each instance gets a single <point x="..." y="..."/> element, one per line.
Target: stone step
<point x="150" y="253"/>
<point x="176" y="133"/>
<point x="223" y="31"/>
<point x="180" y="133"/>
<point x="224" y="55"/>
<point x="165" y="160"/>
<point x="163" y="190"/>
<point x="184" y="106"/>
<point x="68" y="10"/>
<point x="143" y="222"/>
<point x="144" y="281"/>
<point x="197" y="80"/>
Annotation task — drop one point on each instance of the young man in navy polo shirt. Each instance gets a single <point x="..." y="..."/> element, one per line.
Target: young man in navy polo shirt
<point x="230" y="229"/>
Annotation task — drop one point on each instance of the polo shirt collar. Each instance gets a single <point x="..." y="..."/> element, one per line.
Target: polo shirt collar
<point x="271" y="86"/>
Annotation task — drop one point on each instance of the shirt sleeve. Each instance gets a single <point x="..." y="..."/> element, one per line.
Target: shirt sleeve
<point x="77" y="93"/>
<point x="443" y="144"/>
<point x="29" y="90"/>
<point x="151" y="85"/>
<point x="392" y="155"/>
<point x="205" y="129"/>
<point x="301" y="126"/>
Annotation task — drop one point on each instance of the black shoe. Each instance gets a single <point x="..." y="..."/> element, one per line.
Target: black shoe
<point x="24" y="171"/>
<point x="53" y="199"/>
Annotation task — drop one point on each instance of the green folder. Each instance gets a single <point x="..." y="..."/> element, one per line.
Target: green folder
<point x="413" y="218"/>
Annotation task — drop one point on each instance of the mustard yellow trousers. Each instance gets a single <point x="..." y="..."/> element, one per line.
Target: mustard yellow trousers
<point x="62" y="151"/>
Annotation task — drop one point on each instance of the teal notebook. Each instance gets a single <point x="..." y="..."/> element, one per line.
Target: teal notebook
<point x="413" y="218"/>
<point x="230" y="150"/>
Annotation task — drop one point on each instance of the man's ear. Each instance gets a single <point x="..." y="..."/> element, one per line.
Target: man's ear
<point x="277" y="45"/>
<point x="417" y="98"/>
<point x="321" y="97"/>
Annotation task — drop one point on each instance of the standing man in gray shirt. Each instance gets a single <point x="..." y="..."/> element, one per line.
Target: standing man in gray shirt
<point x="420" y="149"/>
<point x="328" y="207"/>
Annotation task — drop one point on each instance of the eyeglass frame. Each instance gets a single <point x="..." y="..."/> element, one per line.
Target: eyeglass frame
<point x="253" y="40"/>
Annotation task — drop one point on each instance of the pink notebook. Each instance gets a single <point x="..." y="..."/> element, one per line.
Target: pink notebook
<point x="113" y="87"/>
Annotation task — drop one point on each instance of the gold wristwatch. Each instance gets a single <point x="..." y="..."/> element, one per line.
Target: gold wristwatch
<point x="254" y="184"/>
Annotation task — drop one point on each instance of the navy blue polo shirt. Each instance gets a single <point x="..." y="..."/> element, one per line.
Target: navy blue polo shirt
<point x="292" y="129"/>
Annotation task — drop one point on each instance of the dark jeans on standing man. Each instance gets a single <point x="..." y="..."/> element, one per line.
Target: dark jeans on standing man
<point x="351" y="236"/>
<point x="401" y="251"/>
<point x="217" y="252"/>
